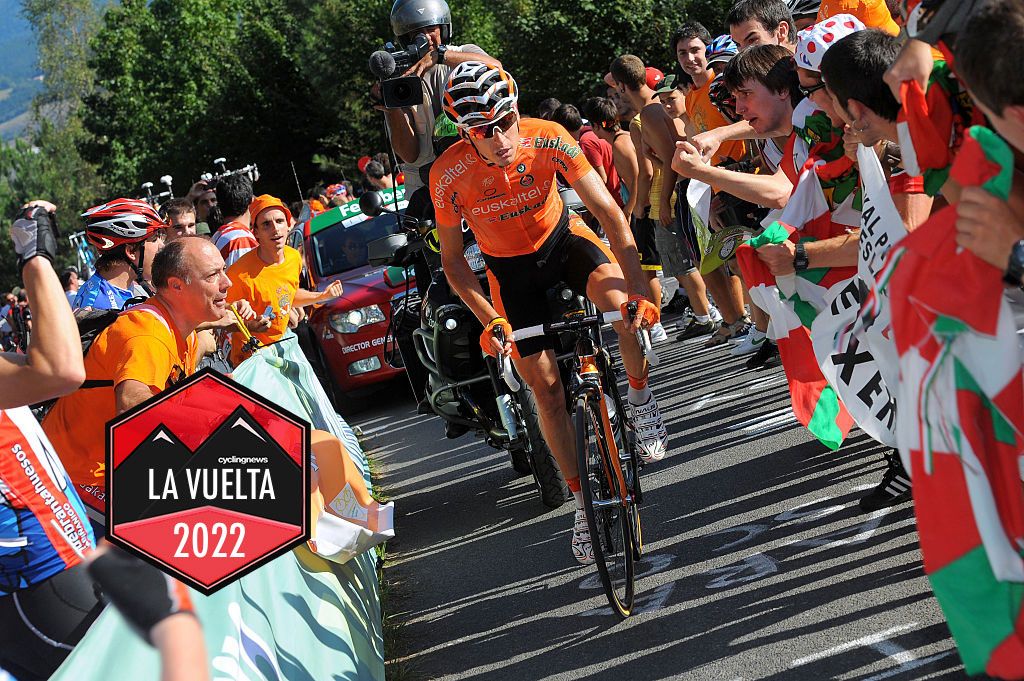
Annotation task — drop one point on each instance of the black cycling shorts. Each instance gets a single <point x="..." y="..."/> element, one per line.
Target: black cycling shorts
<point x="646" y="246"/>
<point x="519" y="284"/>
<point x="41" y="624"/>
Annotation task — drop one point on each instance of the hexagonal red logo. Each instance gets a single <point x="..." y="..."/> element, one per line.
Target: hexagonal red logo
<point x="208" y="480"/>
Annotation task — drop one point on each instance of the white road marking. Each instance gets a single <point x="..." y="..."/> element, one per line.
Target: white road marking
<point x="869" y="640"/>
<point x="760" y="419"/>
<point x="757" y="565"/>
<point x="909" y="666"/>
<point x="712" y="399"/>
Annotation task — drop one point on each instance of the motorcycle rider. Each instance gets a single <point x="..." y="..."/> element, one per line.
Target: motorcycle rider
<point x="501" y="179"/>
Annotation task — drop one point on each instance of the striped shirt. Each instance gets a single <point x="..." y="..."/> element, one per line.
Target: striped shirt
<point x="233" y="240"/>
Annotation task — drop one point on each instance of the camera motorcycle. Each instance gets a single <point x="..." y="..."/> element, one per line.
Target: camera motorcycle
<point x="463" y="385"/>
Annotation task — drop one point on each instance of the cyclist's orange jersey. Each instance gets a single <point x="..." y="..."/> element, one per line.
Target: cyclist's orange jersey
<point x="511" y="210"/>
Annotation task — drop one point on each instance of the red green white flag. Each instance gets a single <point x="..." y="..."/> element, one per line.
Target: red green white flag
<point x="961" y="420"/>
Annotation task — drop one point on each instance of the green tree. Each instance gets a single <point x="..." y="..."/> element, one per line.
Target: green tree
<point x="48" y="165"/>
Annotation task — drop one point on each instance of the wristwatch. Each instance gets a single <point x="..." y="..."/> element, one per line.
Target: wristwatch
<point x="1015" y="269"/>
<point x="439" y="54"/>
<point x="800" y="260"/>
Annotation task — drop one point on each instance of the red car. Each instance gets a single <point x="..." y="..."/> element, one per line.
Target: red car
<point x="351" y="331"/>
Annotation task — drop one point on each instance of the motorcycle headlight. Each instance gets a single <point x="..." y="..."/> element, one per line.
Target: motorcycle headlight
<point x="475" y="258"/>
<point x="353" y="320"/>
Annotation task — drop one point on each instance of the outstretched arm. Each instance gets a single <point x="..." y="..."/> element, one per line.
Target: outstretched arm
<point x="54" y="365"/>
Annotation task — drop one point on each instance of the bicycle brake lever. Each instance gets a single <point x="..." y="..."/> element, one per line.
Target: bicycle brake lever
<point x="504" y="365"/>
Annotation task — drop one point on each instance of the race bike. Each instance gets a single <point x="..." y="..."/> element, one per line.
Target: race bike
<point x="464" y="387"/>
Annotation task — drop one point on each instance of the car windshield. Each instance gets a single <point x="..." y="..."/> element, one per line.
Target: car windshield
<point x="341" y="248"/>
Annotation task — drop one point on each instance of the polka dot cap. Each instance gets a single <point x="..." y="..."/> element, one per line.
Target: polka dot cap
<point x="813" y="41"/>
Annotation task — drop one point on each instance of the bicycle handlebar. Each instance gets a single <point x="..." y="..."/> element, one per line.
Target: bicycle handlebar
<point x="643" y="338"/>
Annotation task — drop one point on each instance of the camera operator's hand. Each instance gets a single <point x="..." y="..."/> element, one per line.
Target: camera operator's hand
<point x="34" y="232"/>
<point x="376" y="99"/>
<point x="420" y="67"/>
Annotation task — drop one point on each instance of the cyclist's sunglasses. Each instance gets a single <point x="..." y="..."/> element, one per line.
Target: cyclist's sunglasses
<point x="486" y="131"/>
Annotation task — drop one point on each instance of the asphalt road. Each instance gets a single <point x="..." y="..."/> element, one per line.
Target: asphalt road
<point x="759" y="565"/>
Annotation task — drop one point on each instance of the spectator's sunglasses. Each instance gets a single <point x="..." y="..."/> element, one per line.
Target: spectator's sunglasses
<point x="808" y="91"/>
<point x="486" y="131"/>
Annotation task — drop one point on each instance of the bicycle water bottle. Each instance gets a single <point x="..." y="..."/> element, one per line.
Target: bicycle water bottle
<point x="507" y="415"/>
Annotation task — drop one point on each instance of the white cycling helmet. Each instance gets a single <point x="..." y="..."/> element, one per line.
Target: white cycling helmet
<point x="477" y="94"/>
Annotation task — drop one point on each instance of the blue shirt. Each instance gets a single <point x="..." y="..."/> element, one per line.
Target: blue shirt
<point x="43" y="523"/>
<point x="100" y="294"/>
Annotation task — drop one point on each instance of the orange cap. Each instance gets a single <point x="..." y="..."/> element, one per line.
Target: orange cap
<point x="874" y="13"/>
<point x="262" y="203"/>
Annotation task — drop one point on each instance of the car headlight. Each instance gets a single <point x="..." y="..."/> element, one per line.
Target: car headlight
<point x="353" y="320"/>
<point x="475" y="258"/>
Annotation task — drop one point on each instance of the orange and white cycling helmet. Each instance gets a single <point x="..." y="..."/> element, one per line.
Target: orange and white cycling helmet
<point x="478" y="94"/>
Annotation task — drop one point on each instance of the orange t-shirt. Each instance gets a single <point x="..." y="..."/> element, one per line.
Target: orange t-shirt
<point x="270" y="289"/>
<point x="706" y="116"/>
<point x="142" y="345"/>
<point x="511" y="210"/>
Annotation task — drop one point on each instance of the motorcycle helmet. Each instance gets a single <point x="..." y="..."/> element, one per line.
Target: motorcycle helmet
<point x="408" y="16"/>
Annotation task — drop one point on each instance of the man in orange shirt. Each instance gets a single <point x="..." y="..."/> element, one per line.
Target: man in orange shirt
<point x="147" y="349"/>
<point x="268" y="277"/>
<point x="690" y="46"/>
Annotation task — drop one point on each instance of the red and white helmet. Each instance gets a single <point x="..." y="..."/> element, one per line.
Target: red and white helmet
<point x="477" y="94"/>
<point x="121" y="222"/>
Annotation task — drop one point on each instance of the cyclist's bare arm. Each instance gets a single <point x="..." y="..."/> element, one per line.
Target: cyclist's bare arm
<point x="599" y="202"/>
<point x="54" y="364"/>
<point x="645" y="172"/>
<point x="460" y="275"/>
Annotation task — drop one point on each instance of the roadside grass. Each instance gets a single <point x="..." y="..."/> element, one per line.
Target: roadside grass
<point x="395" y="643"/>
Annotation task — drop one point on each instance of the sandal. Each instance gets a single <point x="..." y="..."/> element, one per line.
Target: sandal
<point x="726" y="332"/>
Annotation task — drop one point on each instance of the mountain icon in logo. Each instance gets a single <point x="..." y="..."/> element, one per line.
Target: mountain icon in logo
<point x="239" y="467"/>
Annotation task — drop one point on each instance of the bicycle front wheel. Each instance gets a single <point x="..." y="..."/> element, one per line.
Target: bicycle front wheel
<point x="608" y="514"/>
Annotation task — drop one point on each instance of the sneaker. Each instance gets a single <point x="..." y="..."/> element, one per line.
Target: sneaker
<point x="893" y="489"/>
<point x="581" y="546"/>
<point x="748" y="344"/>
<point x="651" y="436"/>
<point x="658" y="333"/>
<point x="767" y="355"/>
<point x="695" y="329"/>
<point x="716" y="316"/>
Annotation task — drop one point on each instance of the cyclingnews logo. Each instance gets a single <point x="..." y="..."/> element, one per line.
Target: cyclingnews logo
<point x="208" y="481"/>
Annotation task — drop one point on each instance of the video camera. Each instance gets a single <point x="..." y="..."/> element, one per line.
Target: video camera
<point x="402" y="92"/>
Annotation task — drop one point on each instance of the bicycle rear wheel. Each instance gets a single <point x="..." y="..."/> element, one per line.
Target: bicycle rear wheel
<point x="609" y="517"/>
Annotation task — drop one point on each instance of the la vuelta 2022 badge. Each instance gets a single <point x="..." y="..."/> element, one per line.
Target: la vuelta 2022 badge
<point x="208" y="481"/>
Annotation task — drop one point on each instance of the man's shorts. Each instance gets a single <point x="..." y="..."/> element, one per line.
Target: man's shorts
<point x="520" y="284"/>
<point x="687" y="230"/>
<point x="646" y="243"/>
<point x="675" y="255"/>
